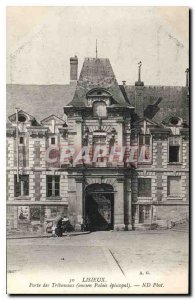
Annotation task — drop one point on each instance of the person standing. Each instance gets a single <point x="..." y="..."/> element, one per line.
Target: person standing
<point x="58" y="230"/>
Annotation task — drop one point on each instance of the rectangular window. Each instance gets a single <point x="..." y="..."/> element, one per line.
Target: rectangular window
<point x="144" y="148"/>
<point x="53" y="140"/>
<point x="53" y="185"/>
<point x="21" y="188"/>
<point x="173" y="153"/>
<point x="174" y="186"/>
<point x="174" y="149"/>
<point x="144" y="213"/>
<point x="99" y="147"/>
<point x="144" y="187"/>
<point x="21" y="140"/>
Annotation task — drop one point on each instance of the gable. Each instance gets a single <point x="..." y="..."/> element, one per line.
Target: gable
<point x="22" y="117"/>
<point x="51" y="118"/>
<point x="146" y="121"/>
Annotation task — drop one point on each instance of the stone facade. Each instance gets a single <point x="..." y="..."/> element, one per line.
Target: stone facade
<point x="138" y="178"/>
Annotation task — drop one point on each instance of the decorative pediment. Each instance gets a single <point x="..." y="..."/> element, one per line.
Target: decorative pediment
<point x="48" y="120"/>
<point x="160" y="133"/>
<point x="146" y="121"/>
<point x="23" y="117"/>
<point x="172" y="120"/>
<point x="37" y="132"/>
<point x="98" y="92"/>
<point x="145" y="125"/>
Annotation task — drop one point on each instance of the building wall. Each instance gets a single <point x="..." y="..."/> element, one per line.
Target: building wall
<point x="32" y="162"/>
<point x="35" y="167"/>
<point x="165" y="208"/>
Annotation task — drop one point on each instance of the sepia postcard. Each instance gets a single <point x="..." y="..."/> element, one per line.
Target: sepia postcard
<point x="97" y="131"/>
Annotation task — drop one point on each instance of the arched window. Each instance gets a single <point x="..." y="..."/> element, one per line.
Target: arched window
<point x="21" y="118"/>
<point x="174" y="120"/>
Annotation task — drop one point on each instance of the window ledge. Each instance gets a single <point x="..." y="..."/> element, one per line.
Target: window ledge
<point x="144" y="163"/>
<point x="174" y="163"/>
<point x="54" y="198"/>
<point x="174" y="198"/>
<point x="24" y="221"/>
<point x="144" y="198"/>
<point x="22" y="198"/>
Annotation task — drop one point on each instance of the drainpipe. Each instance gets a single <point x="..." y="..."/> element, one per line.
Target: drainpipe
<point x="83" y="203"/>
<point x="151" y="216"/>
<point x="17" y="145"/>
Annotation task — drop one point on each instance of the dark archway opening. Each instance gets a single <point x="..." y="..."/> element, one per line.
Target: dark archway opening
<point x="99" y="207"/>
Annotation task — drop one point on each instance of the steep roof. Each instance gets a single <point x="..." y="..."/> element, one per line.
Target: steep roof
<point x="162" y="101"/>
<point x="38" y="100"/>
<point x="97" y="72"/>
<point x="41" y="101"/>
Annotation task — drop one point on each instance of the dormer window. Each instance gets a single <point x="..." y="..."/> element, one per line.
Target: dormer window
<point x="22" y="118"/>
<point x="99" y="109"/>
<point x="174" y="121"/>
<point x="99" y="95"/>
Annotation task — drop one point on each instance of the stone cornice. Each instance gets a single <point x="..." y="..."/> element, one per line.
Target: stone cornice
<point x="160" y="130"/>
<point x="37" y="131"/>
<point x="185" y="132"/>
<point x="29" y="202"/>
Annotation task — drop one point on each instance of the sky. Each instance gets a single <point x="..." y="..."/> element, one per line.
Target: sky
<point x="41" y="39"/>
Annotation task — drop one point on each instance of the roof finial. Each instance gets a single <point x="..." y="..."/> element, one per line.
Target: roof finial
<point x="96" y="49"/>
<point x="139" y="70"/>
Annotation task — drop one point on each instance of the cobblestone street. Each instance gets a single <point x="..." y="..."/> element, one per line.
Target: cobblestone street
<point x="129" y="256"/>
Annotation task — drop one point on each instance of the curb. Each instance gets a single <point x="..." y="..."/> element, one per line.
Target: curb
<point x="46" y="236"/>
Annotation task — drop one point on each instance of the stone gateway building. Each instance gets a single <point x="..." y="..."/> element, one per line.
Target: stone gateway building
<point x="104" y="155"/>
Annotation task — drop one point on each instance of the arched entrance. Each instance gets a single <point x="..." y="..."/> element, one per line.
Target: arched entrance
<point x="99" y="207"/>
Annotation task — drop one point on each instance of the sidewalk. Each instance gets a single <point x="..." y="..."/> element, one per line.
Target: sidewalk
<point x="44" y="235"/>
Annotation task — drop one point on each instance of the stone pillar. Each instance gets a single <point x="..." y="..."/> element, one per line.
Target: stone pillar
<point x="119" y="206"/>
<point x="78" y="137"/>
<point x="79" y="202"/>
<point x="137" y="214"/>
<point x="129" y="204"/>
<point x="120" y="138"/>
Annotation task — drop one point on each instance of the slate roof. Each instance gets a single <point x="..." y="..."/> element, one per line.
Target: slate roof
<point x="39" y="101"/>
<point x="97" y="72"/>
<point x="162" y="101"/>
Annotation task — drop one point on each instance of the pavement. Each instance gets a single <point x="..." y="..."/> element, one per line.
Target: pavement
<point x="43" y="235"/>
<point x="129" y="256"/>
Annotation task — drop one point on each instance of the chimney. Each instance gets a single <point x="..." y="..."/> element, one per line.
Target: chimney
<point x="73" y="69"/>
<point x="124" y="82"/>
<point x="139" y="94"/>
